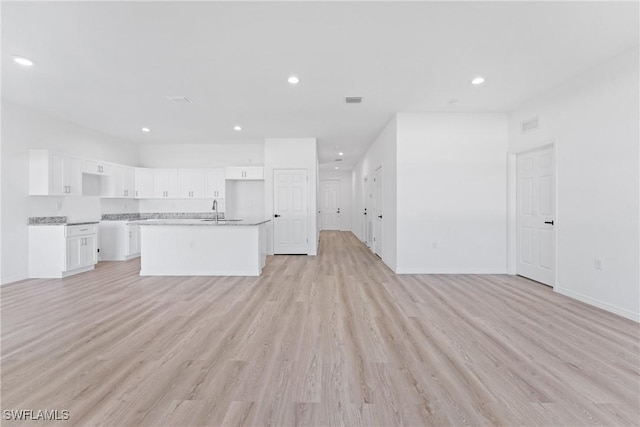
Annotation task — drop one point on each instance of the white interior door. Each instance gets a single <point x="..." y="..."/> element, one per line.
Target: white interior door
<point x="366" y="214"/>
<point x="290" y="211"/>
<point x="377" y="203"/>
<point x="535" y="216"/>
<point x="330" y="204"/>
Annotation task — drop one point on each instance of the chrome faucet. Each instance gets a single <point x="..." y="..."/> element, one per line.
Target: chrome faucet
<point x="214" y="208"/>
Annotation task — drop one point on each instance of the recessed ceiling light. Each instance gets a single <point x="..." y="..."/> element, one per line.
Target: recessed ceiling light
<point x="294" y="80"/>
<point x="238" y="128"/>
<point x="336" y="167"/>
<point x="477" y="81"/>
<point x="341" y="154"/>
<point x="146" y="130"/>
<point x="25" y="62"/>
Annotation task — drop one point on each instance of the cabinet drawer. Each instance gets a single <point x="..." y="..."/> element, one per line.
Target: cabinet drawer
<point x="81" y="230"/>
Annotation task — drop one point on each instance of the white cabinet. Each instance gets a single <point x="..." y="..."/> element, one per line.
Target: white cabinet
<point x="120" y="184"/>
<point x="244" y="172"/>
<point x="215" y="183"/>
<point x="144" y="183"/>
<point x="81" y="252"/>
<point x="96" y="167"/>
<point x="58" y="251"/>
<point x="119" y="241"/>
<point x="133" y="241"/>
<point x="54" y="174"/>
<point x="191" y="183"/>
<point x="165" y="183"/>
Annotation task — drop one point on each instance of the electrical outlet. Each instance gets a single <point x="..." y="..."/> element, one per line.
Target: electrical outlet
<point x="58" y="206"/>
<point x="597" y="263"/>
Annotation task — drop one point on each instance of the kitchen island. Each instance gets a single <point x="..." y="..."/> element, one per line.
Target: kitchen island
<point x="202" y="247"/>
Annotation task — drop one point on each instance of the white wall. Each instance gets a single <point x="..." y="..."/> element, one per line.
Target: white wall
<point x="381" y="153"/>
<point x="594" y="121"/>
<point x="202" y="155"/>
<point x="22" y="129"/>
<point x="452" y="211"/>
<point x="292" y="153"/>
<point x="346" y="198"/>
<point x="241" y="198"/>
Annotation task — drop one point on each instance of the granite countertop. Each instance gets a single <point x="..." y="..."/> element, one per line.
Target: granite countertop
<point x="202" y="222"/>
<point x="158" y="215"/>
<point x="56" y="220"/>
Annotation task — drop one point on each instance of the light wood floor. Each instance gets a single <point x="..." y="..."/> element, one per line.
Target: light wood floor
<point x="336" y="339"/>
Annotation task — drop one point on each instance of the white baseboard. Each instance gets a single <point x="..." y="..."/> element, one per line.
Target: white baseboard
<point x="600" y="304"/>
<point x="451" y="271"/>
<point x="12" y="279"/>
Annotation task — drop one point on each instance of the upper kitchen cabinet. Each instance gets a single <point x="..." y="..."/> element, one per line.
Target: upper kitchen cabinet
<point x="54" y="174"/>
<point x="120" y="184"/>
<point x="215" y="183"/>
<point x="165" y="183"/>
<point x="244" y="172"/>
<point x="191" y="183"/>
<point x="144" y="183"/>
<point x="96" y="167"/>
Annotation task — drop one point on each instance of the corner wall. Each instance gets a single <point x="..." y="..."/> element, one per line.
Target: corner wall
<point x="594" y="121"/>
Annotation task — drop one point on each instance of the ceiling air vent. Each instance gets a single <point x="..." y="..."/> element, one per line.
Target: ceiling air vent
<point x="530" y="125"/>
<point x="179" y="99"/>
<point x="338" y="160"/>
<point x="353" y="99"/>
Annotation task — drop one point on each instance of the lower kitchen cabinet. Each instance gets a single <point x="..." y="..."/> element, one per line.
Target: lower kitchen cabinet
<point x="57" y="251"/>
<point x="119" y="241"/>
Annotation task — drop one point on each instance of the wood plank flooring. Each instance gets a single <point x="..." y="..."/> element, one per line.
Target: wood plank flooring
<point x="336" y="339"/>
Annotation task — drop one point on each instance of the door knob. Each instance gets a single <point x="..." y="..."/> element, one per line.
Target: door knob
<point x="380" y="216"/>
<point x="276" y="216"/>
<point x="549" y="222"/>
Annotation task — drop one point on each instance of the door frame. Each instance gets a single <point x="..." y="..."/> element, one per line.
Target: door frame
<point x="512" y="206"/>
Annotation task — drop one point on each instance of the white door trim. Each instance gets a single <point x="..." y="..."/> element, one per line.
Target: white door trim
<point x="512" y="186"/>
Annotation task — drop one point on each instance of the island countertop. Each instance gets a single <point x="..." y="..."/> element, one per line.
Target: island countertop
<point x="202" y="222"/>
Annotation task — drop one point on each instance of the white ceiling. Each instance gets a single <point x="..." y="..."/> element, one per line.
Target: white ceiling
<point x="109" y="66"/>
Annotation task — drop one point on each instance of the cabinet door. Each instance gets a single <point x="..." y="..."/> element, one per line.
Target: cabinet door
<point x="191" y="183"/>
<point x="127" y="176"/>
<point x="96" y="167"/>
<point x="215" y="183"/>
<point x="133" y="240"/>
<point x="144" y="183"/>
<point x="58" y="179"/>
<point x="242" y="172"/>
<point x="73" y="176"/>
<point x="88" y="250"/>
<point x="74" y="253"/>
<point x="160" y="183"/>
<point x="166" y="183"/>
